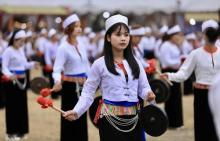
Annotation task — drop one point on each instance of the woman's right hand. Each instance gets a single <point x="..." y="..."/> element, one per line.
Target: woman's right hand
<point x="57" y="87"/>
<point x="164" y="76"/>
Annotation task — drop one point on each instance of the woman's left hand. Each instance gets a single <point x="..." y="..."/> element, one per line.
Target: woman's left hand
<point x="70" y="115"/>
<point x="37" y="65"/>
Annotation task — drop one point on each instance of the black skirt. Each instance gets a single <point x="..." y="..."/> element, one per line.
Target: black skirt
<point x="16" y="109"/>
<point x="109" y="133"/>
<point x="54" y="95"/>
<point x="2" y="92"/>
<point x="173" y="106"/>
<point x="72" y="130"/>
<point x="203" y="122"/>
<point x="188" y="85"/>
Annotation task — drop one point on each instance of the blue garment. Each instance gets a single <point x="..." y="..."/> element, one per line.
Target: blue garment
<point x="143" y="136"/>
<point x="120" y="103"/>
<point x="77" y="75"/>
<point x="18" y="72"/>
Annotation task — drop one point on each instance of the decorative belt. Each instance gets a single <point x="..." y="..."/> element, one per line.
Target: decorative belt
<point x="118" y="110"/>
<point x="79" y="80"/>
<point x="112" y="113"/>
<point x="201" y="86"/>
<point x="4" y="78"/>
<point x="108" y="109"/>
<point x="20" y="76"/>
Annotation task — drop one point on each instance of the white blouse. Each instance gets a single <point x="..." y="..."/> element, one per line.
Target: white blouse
<point x="29" y="51"/>
<point x="3" y="46"/>
<point x="201" y="62"/>
<point x="170" y="55"/>
<point x="15" y="60"/>
<point x="139" y="55"/>
<point x="112" y="87"/>
<point x="157" y="47"/>
<point x="50" y="52"/>
<point x="69" y="61"/>
<point x="214" y="104"/>
<point x="40" y="43"/>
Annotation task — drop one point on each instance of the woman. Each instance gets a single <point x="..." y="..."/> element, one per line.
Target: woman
<point x="137" y="32"/>
<point x="14" y="66"/>
<point x="205" y="62"/>
<point x="170" y="59"/>
<point x="49" y="57"/>
<point x="121" y="79"/>
<point x="72" y="61"/>
<point x="3" y="46"/>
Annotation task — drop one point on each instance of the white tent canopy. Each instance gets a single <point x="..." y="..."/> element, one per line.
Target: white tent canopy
<point x="136" y="6"/>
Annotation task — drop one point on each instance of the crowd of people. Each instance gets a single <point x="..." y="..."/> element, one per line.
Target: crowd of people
<point x="79" y="61"/>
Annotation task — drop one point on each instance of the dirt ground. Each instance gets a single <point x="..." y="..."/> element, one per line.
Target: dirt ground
<point x="45" y="123"/>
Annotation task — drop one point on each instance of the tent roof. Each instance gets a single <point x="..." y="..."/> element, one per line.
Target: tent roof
<point x="136" y="6"/>
<point x="34" y="10"/>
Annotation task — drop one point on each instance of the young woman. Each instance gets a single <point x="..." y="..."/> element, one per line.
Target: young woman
<point x="121" y="79"/>
<point x="72" y="61"/>
<point x="170" y="60"/>
<point x="49" y="57"/>
<point x="137" y="32"/>
<point x="205" y="62"/>
<point x="14" y="65"/>
<point x="3" y="46"/>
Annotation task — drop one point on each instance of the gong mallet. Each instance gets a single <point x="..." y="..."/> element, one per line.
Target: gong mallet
<point x="45" y="103"/>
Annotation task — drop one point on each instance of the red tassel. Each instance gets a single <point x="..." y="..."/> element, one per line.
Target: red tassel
<point x="98" y="111"/>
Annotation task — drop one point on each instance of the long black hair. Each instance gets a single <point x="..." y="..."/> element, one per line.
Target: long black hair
<point x="128" y="55"/>
<point x="11" y="41"/>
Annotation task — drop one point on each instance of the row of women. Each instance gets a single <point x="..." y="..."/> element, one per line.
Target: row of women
<point x="119" y="75"/>
<point x="205" y="63"/>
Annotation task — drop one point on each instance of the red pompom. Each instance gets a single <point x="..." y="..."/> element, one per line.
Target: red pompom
<point x="45" y="92"/>
<point x="44" y="102"/>
<point x="44" y="107"/>
<point x="152" y="66"/>
<point x="49" y="102"/>
<point x="48" y="68"/>
<point x="41" y="100"/>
